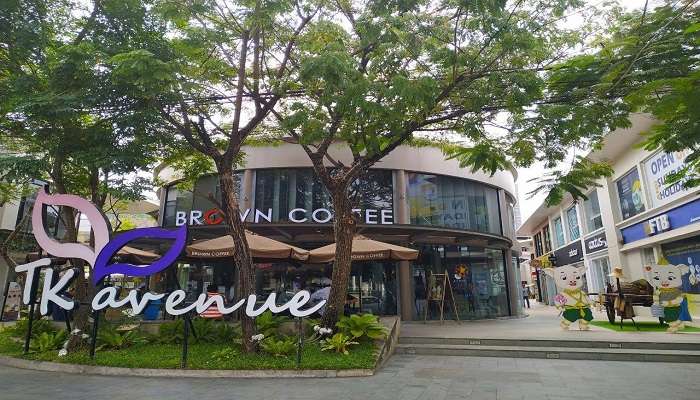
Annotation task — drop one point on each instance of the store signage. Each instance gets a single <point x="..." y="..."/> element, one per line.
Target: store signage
<point x="596" y="243"/>
<point x="657" y="169"/>
<point x="297" y="216"/>
<point x="675" y="218"/>
<point x="657" y="224"/>
<point x="53" y="291"/>
<point x="570" y="254"/>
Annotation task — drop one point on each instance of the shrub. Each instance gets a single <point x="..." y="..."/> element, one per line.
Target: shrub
<point x="223" y="356"/>
<point x="171" y="332"/>
<point x="205" y="331"/>
<point x="269" y="323"/>
<point x="48" y="341"/>
<point x="226" y="333"/>
<point x="111" y="338"/>
<point x="39" y="326"/>
<point x="338" y="342"/>
<point x="279" y="348"/>
<point x="362" y="326"/>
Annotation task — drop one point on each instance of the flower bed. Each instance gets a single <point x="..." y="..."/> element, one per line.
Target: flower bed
<point x="356" y="346"/>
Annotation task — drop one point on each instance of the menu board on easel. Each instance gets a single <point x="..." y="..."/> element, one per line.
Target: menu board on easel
<point x="439" y="286"/>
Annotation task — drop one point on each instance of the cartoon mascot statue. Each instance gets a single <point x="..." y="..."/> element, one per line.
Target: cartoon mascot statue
<point x="571" y="299"/>
<point x="667" y="281"/>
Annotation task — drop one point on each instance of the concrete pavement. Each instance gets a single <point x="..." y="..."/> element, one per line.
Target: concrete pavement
<point x="542" y="322"/>
<point x="404" y="378"/>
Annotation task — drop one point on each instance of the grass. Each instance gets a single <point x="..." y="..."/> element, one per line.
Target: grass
<point x="644" y="326"/>
<point x="201" y="356"/>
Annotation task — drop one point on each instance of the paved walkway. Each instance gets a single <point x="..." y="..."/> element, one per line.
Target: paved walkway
<point x="542" y="322"/>
<point x="404" y="378"/>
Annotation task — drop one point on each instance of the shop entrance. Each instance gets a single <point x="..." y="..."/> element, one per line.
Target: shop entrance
<point x="477" y="276"/>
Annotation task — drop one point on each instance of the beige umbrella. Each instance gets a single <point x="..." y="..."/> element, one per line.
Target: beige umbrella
<point x="141" y="255"/>
<point x="260" y="246"/>
<point x="364" y="249"/>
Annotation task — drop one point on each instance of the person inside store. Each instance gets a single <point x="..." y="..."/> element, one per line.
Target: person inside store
<point x="525" y="293"/>
<point x="420" y="295"/>
<point x="319" y="295"/>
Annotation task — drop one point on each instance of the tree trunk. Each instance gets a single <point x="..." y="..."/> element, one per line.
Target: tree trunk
<point x="242" y="257"/>
<point x="344" y="225"/>
<point x="82" y="288"/>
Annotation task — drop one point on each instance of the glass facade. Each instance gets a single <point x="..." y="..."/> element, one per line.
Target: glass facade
<point x="283" y="190"/>
<point x="452" y="202"/>
<point x="198" y="198"/>
<point x="476" y="275"/>
<point x="372" y="287"/>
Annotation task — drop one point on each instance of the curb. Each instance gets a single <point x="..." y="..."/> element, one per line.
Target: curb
<point x="47" y="366"/>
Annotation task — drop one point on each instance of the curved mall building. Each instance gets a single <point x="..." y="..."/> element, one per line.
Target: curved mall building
<point x="460" y="221"/>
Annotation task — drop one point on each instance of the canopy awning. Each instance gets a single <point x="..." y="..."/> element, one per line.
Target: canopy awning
<point x="260" y="246"/>
<point x="365" y="249"/>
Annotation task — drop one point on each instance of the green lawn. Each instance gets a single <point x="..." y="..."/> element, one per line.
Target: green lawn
<point x="645" y="326"/>
<point x="202" y="356"/>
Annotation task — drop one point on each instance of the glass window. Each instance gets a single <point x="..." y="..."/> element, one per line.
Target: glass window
<point x="538" y="244"/>
<point x="572" y="222"/>
<point x="184" y="201"/>
<point x="648" y="256"/>
<point x="547" y="239"/>
<point x="600" y="269"/>
<point x="591" y="209"/>
<point x="452" y="202"/>
<point x="283" y="190"/>
<point x="629" y="193"/>
<point x="559" y="239"/>
<point x="477" y="278"/>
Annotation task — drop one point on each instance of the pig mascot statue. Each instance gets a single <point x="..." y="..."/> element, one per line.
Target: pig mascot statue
<point x="667" y="281"/>
<point x="571" y="299"/>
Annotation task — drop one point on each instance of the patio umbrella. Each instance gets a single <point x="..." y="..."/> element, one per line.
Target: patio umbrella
<point x="139" y="255"/>
<point x="260" y="246"/>
<point x="363" y="249"/>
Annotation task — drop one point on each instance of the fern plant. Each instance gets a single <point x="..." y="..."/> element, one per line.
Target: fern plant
<point x="280" y="348"/>
<point x="48" y="341"/>
<point x="362" y="326"/>
<point x="110" y="338"/>
<point x="39" y="326"/>
<point x="339" y="343"/>
<point x="268" y="323"/>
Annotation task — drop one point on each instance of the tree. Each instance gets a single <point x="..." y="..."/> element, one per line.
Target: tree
<point x="217" y="83"/>
<point x="646" y="61"/>
<point x="61" y="118"/>
<point x="375" y="74"/>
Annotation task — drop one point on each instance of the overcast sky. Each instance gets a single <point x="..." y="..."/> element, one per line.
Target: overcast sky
<point x="529" y="205"/>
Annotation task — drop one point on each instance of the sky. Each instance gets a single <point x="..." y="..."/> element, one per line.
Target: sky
<point x="528" y="204"/>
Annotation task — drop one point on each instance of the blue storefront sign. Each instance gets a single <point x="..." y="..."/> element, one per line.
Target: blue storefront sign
<point x="672" y="219"/>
